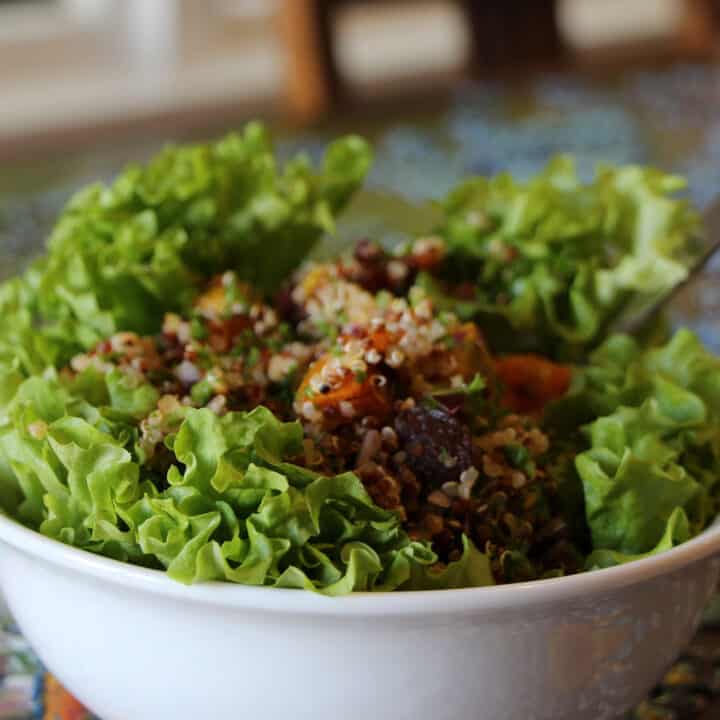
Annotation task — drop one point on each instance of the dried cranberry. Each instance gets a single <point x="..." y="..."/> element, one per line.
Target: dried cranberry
<point x="437" y="445"/>
<point x="170" y="347"/>
<point x="286" y="307"/>
<point x="371" y="270"/>
<point x="367" y="251"/>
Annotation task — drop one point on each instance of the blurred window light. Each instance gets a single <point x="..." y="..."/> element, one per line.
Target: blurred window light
<point x="591" y="24"/>
<point x="151" y="34"/>
<point x="31" y="20"/>
<point x="91" y="12"/>
<point x="379" y="41"/>
<point x="248" y="9"/>
<point x="69" y="63"/>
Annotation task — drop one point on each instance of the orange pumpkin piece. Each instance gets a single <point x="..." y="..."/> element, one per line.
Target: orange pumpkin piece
<point x="531" y="381"/>
<point x="351" y="397"/>
<point x="380" y="339"/>
<point x="214" y="300"/>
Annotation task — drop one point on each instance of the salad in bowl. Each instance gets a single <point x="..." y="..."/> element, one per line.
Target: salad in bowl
<point x="185" y="385"/>
<point x="202" y="410"/>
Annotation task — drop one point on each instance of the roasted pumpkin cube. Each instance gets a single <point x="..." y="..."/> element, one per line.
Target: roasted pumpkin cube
<point x="347" y="396"/>
<point x="531" y="382"/>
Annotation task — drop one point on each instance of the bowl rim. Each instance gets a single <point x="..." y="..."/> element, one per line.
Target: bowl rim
<point x="524" y="595"/>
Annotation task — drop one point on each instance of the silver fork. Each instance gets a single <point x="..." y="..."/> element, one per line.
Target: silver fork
<point x="632" y="324"/>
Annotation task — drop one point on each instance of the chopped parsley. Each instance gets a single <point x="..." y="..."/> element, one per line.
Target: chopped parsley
<point x="202" y="392"/>
<point x="198" y="331"/>
<point x="252" y="357"/>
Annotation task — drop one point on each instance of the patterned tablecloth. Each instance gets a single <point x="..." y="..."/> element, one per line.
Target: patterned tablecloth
<point x="670" y="118"/>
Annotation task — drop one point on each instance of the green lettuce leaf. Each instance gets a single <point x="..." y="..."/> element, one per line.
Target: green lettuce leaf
<point x="49" y="434"/>
<point x="122" y="255"/>
<point x="652" y="448"/>
<point x="233" y="506"/>
<point x="24" y="350"/>
<point x="676" y="531"/>
<point x="283" y="525"/>
<point x="553" y="260"/>
<point x="471" y="570"/>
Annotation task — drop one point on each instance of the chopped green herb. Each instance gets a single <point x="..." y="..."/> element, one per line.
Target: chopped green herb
<point x="328" y="330"/>
<point x="202" y="392"/>
<point x="477" y="384"/>
<point x="529" y="469"/>
<point x="252" y="358"/>
<point x="517" y="455"/>
<point x="204" y="357"/>
<point x="285" y="330"/>
<point x="198" y="330"/>
<point x="383" y="299"/>
<point x="245" y="340"/>
<point x="430" y="402"/>
<point x="235" y="296"/>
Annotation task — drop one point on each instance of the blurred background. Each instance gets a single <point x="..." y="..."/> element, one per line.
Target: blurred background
<point x="77" y="65"/>
<point x="74" y="66"/>
<point x="443" y="87"/>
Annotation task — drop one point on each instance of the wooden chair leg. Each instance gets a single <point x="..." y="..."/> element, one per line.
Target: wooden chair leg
<point x="509" y="34"/>
<point x="312" y="80"/>
<point x="700" y="33"/>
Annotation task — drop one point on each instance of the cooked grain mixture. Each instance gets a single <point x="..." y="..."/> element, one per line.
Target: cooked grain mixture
<point x="386" y="386"/>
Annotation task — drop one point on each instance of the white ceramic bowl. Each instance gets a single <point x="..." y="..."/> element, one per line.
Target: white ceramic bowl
<point x="134" y="645"/>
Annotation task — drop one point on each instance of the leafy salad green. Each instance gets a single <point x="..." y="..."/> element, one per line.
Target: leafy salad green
<point x="551" y="262"/>
<point x="651" y="422"/>
<point x="635" y="441"/>
<point x="122" y="256"/>
<point x="238" y="512"/>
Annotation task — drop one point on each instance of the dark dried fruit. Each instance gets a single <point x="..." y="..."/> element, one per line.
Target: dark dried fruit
<point x="371" y="270"/>
<point x="437" y="445"/>
<point x="367" y="251"/>
<point x="374" y="269"/>
<point x="286" y="308"/>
